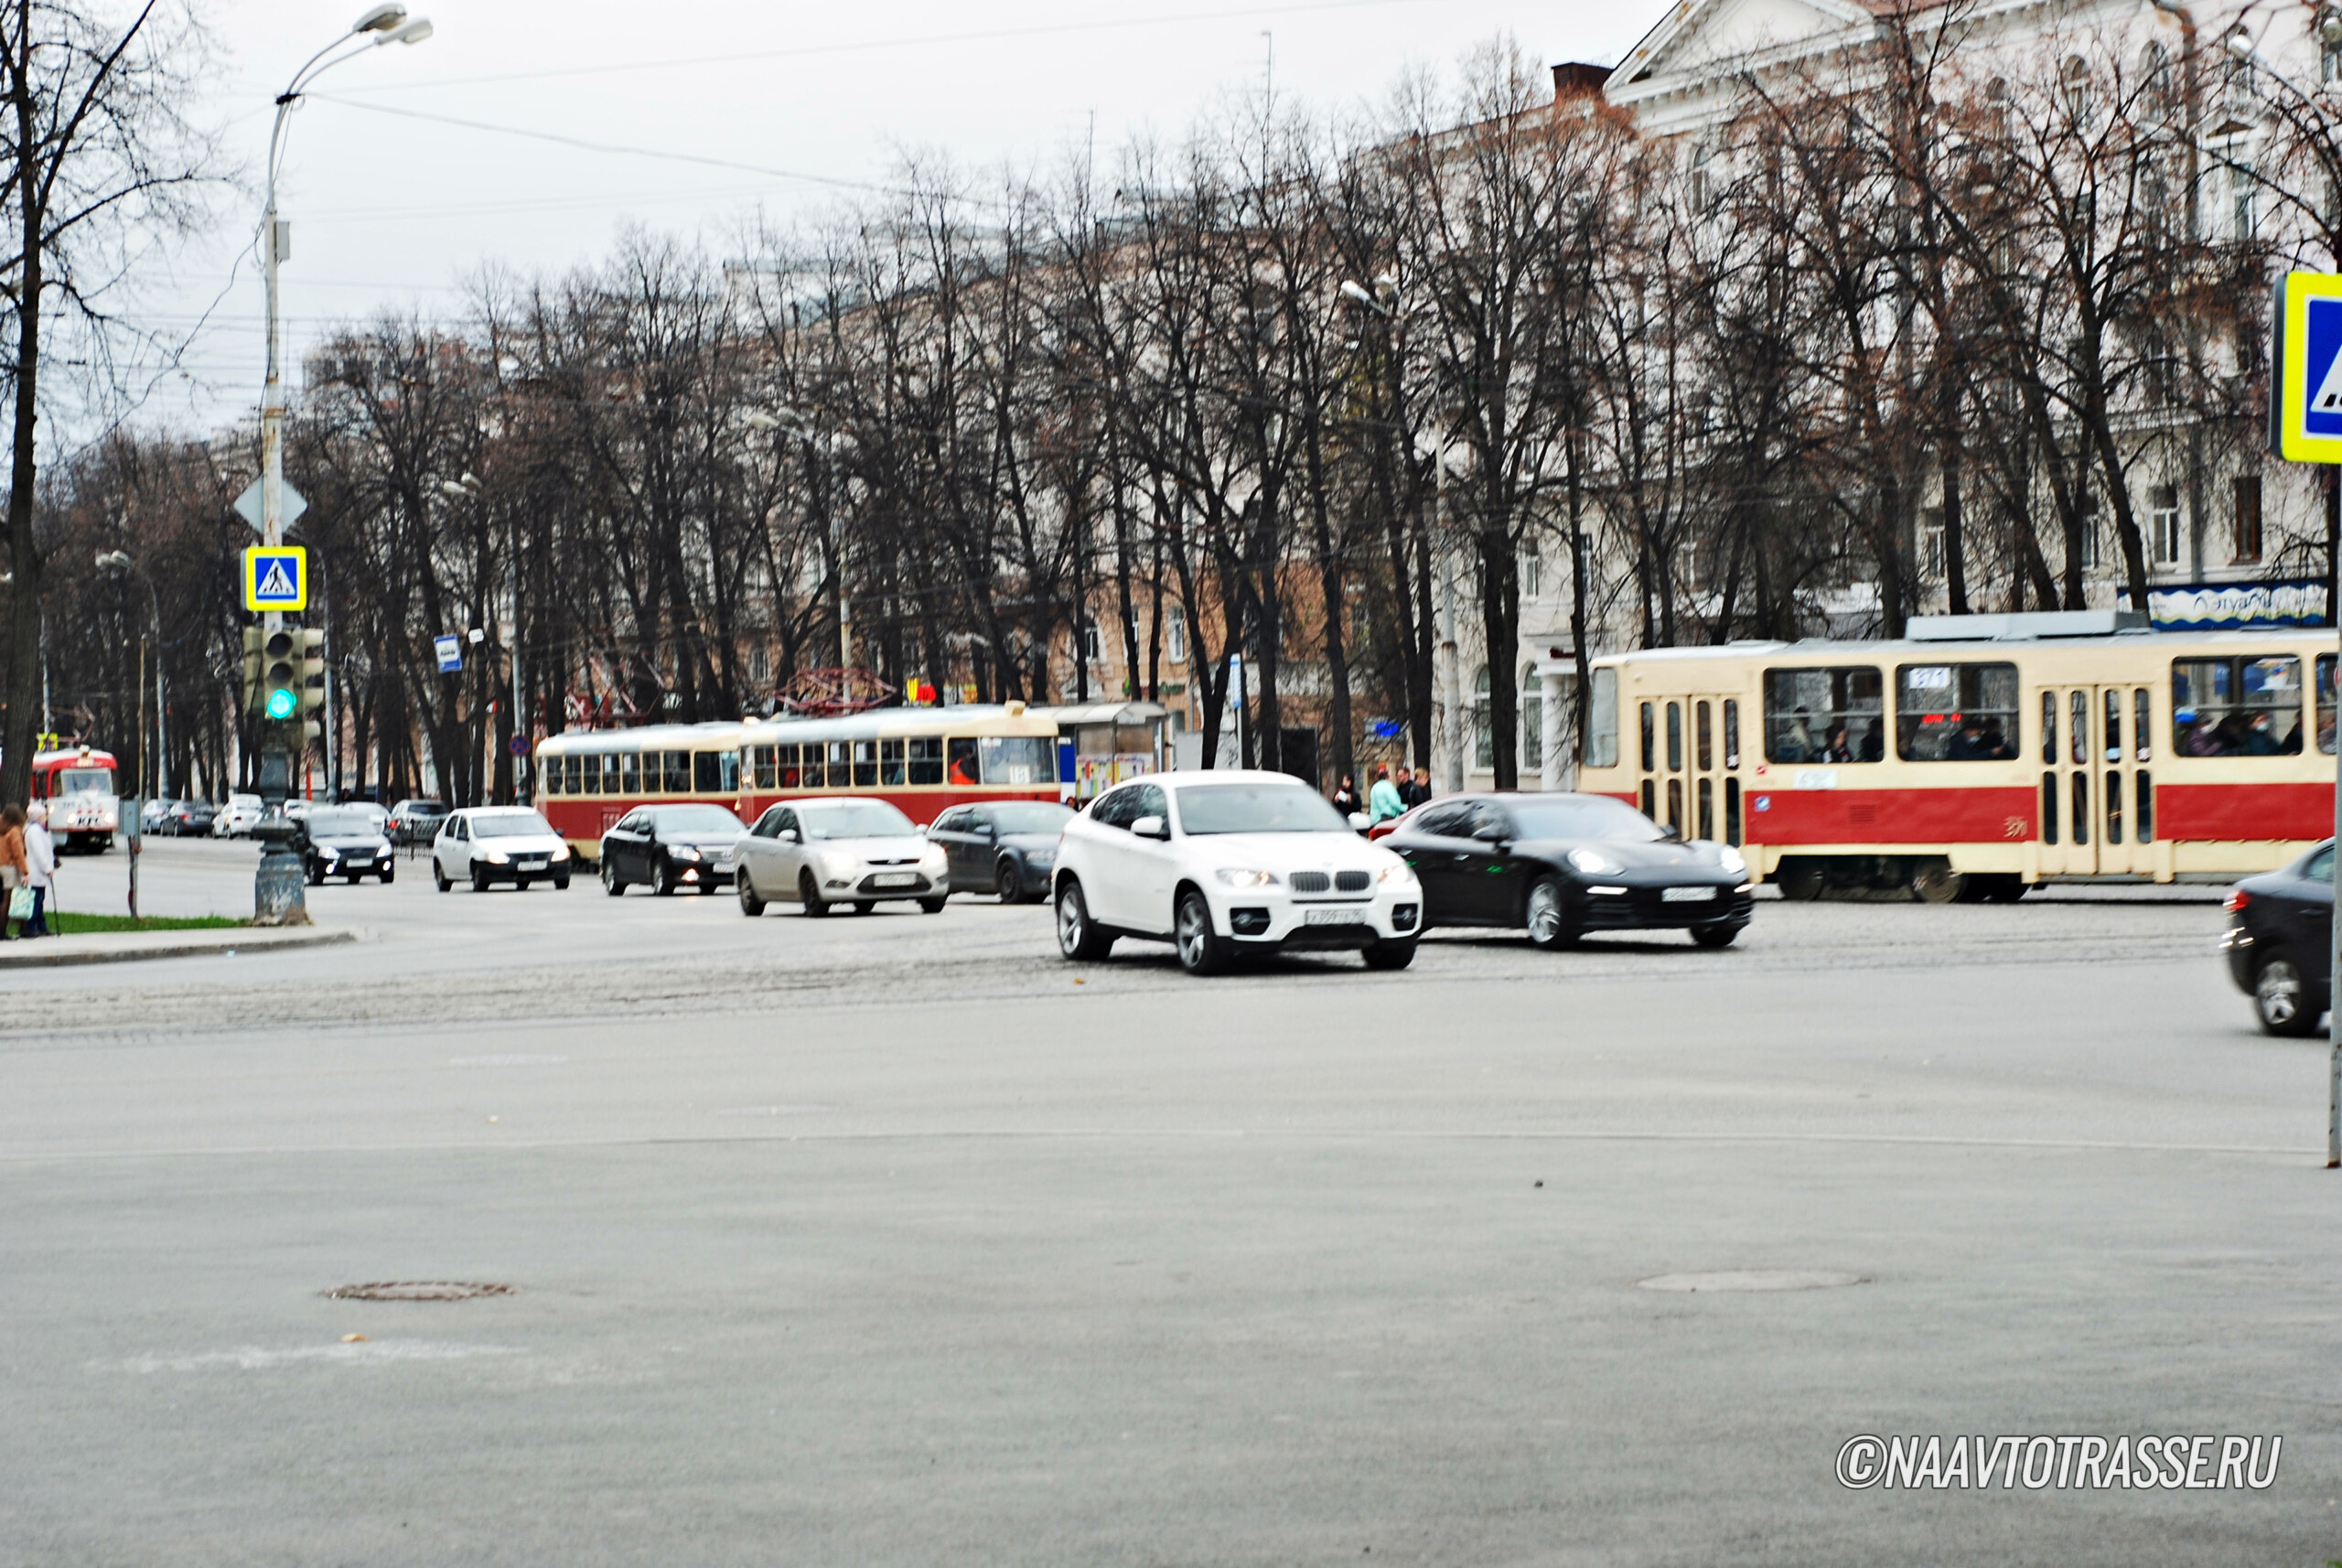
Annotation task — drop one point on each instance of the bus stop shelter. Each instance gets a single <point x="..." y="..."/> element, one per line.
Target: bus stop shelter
<point x="1110" y="741"/>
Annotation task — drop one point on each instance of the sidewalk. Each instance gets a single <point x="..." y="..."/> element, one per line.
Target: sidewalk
<point x="121" y="947"/>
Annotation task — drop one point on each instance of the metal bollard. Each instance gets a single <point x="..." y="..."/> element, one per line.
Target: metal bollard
<point x="279" y="888"/>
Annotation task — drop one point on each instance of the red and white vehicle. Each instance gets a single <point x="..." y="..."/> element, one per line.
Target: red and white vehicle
<point x="922" y="761"/>
<point x="1981" y="756"/>
<point x="76" y="784"/>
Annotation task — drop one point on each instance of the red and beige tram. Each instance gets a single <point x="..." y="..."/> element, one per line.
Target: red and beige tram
<point x="78" y="786"/>
<point x="1958" y="764"/>
<point x="921" y="760"/>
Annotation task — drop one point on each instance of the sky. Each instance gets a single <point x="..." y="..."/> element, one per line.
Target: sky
<point x="393" y="206"/>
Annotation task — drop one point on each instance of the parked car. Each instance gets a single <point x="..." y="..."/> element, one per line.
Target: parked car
<point x="238" y="818"/>
<point x="416" y="822"/>
<point x="843" y="853"/>
<point x="190" y="819"/>
<point x="1226" y="864"/>
<point x="1007" y="847"/>
<point x="668" y="847"/>
<point x="343" y="841"/>
<point x="487" y="845"/>
<point x="153" y="814"/>
<point x="2280" y="924"/>
<point x="1560" y="866"/>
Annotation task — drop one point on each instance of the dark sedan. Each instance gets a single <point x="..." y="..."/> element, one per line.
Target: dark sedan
<point x="2280" y="929"/>
<point x="343" y="841"/>
<point x="188" y="819"/>
<point x="1561" y="865"/>
<point x="666" y="847"/>
<point x="1007" y="847"/>
<point x="416" y="822"/>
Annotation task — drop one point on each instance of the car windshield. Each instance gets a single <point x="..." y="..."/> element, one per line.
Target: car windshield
<point x="1582" y="816"/>
<point x="1257" y="809"/>
<point x="1031" y="817"/>
<point x="509" y="825"/>
<point x="694" y="820"/>
<point x="341" y="824"/>
<point x="856" y="819"/>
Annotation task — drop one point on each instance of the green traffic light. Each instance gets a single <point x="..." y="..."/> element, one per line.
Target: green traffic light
<point x="281" y="703"/>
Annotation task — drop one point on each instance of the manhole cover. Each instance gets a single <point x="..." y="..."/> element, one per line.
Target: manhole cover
<point x="416" y="1290"/>
<point x="1751" y="1280"/>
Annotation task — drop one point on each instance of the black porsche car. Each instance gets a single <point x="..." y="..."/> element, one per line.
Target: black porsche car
<point x="343" y="841"/>
<point x="2280" y="925"/>
<point x="1002" y="847"/>
<point x="1560" y="866"/>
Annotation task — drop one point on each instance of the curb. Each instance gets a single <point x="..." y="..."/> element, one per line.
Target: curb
<point x="49" y="952"/>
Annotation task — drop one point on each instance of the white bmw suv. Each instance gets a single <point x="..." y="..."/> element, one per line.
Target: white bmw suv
<point x="1223" y="863"/>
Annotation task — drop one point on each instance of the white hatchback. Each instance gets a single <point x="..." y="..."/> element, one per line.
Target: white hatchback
<point x="498" y="843"/>
<point x="1223" y="863"/>
<point x="837" y="853"/>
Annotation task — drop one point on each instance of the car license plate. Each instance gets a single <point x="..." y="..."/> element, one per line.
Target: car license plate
<point x="1686" y="895"/>
<point x="894" y="879"/>
<point x="531" y="865"/>
<point x="1330" y="917"/>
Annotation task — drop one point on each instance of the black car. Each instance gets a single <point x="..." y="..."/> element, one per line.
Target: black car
<point x="416" y="822"/>
<point x="1007" y="847"/>
<point x="666" y="847"/>
<point x="188" y="819"/>
<point x="1561" y="865"/>
<point x="343" y="841"/>
<point x="2280" y="929"/>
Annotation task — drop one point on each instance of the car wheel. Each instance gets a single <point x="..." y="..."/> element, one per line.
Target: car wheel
<point x="1389" y="955"/>
<point x="662" y="879"/>
<point x="439" y="876"/>
<point x="1200" y="949"/>
<point x="2281" y="998"/>
<point x="610" y="883"/>
<point x="932" y="906"/>
<point x="1547" y="916"/>
<point x="316" y="875"/>
<point x="1716" y="936"/>
<point x="1079" y="937"/>
<point x="480" y="880"/>
<point x="750" y="905"/>
<point x="1007" y="884"/>
<point x="561" y="884"/>
<point x="388" y="872"/>
<point x="808" y="897"/>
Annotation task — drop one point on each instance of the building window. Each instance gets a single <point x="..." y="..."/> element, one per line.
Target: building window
<point x="2093" y="547"/>
<point x="1175" y="634"/>
<point x="2163" y="525"/>
<point x="2329" y="52"/>
<point x="1532" y="721"/>
<point x="1931" y="545"/>
<point x="1532" y="575"/>
<point x="759" y="666"/>
<point x="1484" y="745"/>
<point x="1092" y="649"/>
<point x="2245" y="532"/>
<point x="2245" y="189"/>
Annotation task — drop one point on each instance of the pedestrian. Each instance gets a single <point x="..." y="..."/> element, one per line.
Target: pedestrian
<point x="12" y="862"/>
<point x="1383" y="802"/>
<point x="1346" y="799"/>
<point x="40" y="867"/>
<point x="1417" y="788"/>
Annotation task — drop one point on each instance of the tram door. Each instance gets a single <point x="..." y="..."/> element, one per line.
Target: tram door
<point x="2096" y="809"/>
<point x="1691" y="761"/>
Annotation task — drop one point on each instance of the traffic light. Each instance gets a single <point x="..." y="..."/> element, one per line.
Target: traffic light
<point x="280" y="674"/>
<point x="254" y="638"/>
<point x="312" y="645"/>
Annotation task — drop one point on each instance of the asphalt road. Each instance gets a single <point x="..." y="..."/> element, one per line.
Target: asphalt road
<point x="893" y="1239"/>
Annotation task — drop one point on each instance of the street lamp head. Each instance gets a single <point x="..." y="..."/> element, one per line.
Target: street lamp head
<point x="380" y="18"/>
<point x="413" y="32"/>
<point x="2329" y="26"/>
<point x="1353" y="289"/>
<point x="470" y="481"/>
<point x="2239" y="42"/>
<point x="113" y="561"/>
<point x="450" y="487"/>
<point x="758" y="419"/>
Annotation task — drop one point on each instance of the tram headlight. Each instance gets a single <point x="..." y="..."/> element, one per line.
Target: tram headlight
<point x="1594" y="863"/>
<point x="1732" y="859"/>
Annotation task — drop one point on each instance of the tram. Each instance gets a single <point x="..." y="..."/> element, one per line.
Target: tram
<point x="921" y="760"/>
<point x="1982" y="755"/>
<point x="77" y="785"/>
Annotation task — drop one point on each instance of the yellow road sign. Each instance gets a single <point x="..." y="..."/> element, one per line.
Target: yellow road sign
<point x="277" y="578"/>
<point x="2306" y="414"/>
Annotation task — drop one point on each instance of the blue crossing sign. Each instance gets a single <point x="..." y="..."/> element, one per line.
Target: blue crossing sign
<point x="2305" y="412"/>
<point x="277" y="578"/>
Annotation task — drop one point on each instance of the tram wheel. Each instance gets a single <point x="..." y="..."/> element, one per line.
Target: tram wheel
<point x="1936" y="883"/>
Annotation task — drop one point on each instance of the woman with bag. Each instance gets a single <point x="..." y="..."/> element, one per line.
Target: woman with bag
<point x="40" y="864"/>
<point x="13" y="869"/>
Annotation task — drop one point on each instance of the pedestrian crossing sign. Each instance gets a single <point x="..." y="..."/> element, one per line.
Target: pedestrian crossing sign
<point x="2306" y="415"/>
<point x="277" y="578"/>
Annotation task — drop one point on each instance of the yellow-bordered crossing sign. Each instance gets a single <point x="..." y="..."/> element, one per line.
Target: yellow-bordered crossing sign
<point x="276" y="577"/>
<point x="2306" y="377"/>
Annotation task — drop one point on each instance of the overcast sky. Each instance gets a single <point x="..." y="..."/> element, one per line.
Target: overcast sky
<point x="389" y="209"/>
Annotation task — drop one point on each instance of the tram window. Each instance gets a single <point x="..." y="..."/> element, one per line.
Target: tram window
<point x="609" y="773"/>
<point x="926" y="759"/>
<point x="767" y="769"/>
<point x="2113" y="725"/>
<point x="630" y="773"/>
<point x="1675" y="804"/>
<point x="890" y="762"/>
<point x="1955" y="712"/>
<point x="2144" y="809"/>
<point x="1602" y="721"/>
<point x="2049" y="729"/>
<point x="1732" y="810"/>
<point x="677" y="767"/>
<point x="1825" y="715"/>
<point x="2113" y="807"/>
<point x="1675" y="737"/>
<point x="2080" y="819"/>
<point x="2050" y="808"/>
<point x="839" y="766"/>
<point x="2325" y="704"/>
<point x="553" y="768"/>
<point x="573" y="771"/>
<point x="707" y="776"/>
<point x="2143" y="723"/>
<point x="1650" y="737"/>
<point x="1705" y="739"/>
<point x="2238" y="706"/>
<point x="1707" y="817"/>
<point x="963" y="760"/>
<point x="729" y="771"/>
<point x="1651" y="800"/>
<point x="1732" y="735"/>
<point x="1020" y="760"/>
<point x="2077" y="721"/>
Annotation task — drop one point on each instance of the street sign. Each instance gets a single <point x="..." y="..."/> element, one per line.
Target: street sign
<point x="2306" y="415"/>
<point x="451" y="654"/>
<point x="248" y="505"/>
<point x="277" y="578"/>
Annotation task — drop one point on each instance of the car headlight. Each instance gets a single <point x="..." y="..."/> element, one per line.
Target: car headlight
<point x="1399" y="875"/>
<point x="1732" y="859"/>
<point x="684" y="851"/>
<point x="497" y="857"/>
<point x="1247" y="878"/>
<point x="1594" y="863"/>
<point x="836" y="864"/>
<point x="561" y="852"/>
<point x="932" y="855"/>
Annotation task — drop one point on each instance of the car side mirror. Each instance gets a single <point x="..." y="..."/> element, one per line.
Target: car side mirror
<point x="1670" y="833"/>
<point x="1150" y="828"/>
<point x="1489" y="833"/>
<point x="1360" y="821"/>
<point x="788" y="835"/>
